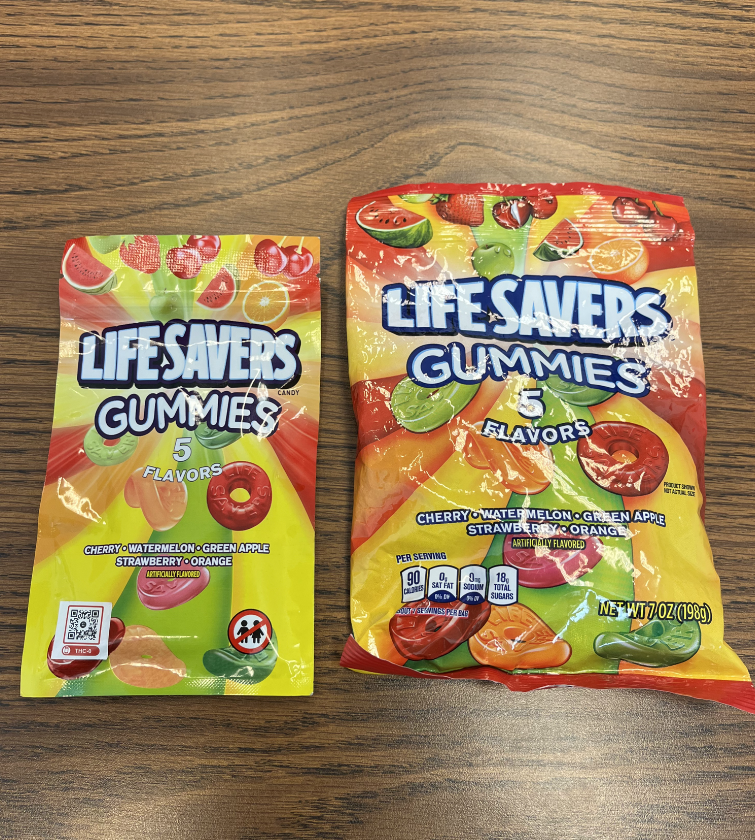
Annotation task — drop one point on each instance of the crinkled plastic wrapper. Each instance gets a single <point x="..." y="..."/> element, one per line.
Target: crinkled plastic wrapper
<point x="527" y="377"/>
<point x="175" y="552"/>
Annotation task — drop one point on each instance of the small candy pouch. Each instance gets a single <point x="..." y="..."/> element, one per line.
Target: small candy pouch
<point x="175" y="551"/>
<point x="527" y="377"/>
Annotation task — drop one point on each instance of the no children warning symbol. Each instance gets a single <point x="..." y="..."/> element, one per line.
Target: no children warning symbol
<point x="250" y="631"/>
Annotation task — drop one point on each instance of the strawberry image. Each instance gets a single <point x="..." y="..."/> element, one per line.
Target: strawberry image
<point x="460" y="209"/>
<point x="141" y="253"/>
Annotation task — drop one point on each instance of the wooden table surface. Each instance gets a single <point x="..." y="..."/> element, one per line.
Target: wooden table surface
<point x="243" y="116"/>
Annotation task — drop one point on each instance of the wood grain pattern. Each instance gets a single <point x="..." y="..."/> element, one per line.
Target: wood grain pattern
<point x="235" y="116"/>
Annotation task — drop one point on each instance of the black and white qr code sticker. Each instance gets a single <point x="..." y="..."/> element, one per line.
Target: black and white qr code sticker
<point x="82" y="630"/>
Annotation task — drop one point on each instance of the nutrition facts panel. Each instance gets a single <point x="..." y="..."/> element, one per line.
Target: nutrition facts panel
<point x="471" y="584"/>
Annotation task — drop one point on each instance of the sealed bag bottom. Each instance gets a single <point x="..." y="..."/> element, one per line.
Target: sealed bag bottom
<point x="736" y="693"/>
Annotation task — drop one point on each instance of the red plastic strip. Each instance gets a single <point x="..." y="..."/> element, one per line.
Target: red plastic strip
<point x="67" y="456"/>
<point x="295" y="444"/>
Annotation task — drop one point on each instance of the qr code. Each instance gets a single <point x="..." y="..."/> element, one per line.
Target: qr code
<point x="83" y="624"/>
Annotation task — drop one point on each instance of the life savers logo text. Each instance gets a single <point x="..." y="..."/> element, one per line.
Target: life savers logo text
<point x="543" y="310"/>
<point x="200" y="353"/>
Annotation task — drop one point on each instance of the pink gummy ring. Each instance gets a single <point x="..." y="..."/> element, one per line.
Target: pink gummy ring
<point x="159" y="593"/>
<point x="543" y="565"/>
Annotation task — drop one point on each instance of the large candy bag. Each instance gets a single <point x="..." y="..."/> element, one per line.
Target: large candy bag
<point x="527" y="377"/>
<point x="175" y="551"/>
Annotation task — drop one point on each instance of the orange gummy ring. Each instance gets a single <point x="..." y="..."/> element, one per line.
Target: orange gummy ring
<point x="515" y="637"/>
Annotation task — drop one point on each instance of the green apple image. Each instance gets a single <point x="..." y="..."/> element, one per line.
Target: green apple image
<point x="492" y="260"/>
<point x="105" y="244"/>
<point x="417" y="199"/>
<point x="167" y="307"/>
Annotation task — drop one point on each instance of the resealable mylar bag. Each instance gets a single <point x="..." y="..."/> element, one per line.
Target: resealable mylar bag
<point x="175" y="551"/>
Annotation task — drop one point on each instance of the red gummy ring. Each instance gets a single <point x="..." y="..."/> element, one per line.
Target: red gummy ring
<point x="543" y="567"/>
<point x="643" y="475"/>
<point x="72" y="669"/>
<point x="420" y="635"/>
<point x="239" y="516"/>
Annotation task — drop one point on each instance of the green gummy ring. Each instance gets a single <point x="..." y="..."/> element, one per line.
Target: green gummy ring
<point x="214" y="439"/>
<point x="246" y="668"/>
<point x="419" y="409"/>
<point x="657" y="644"/>
<point x="108" y="456"/>
<point x="576" y="394"/>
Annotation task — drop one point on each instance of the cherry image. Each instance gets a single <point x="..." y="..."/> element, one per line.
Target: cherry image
<point x="543" y="204"/>
<point x="298" y="263"/>
<point x="630" y="211"/>
<point x="662" y="227"/>
<point x="269" y="258"/>
<point x="512" y="213"/>
<point x="208" y="246"/>
<point x="184" y="262"/>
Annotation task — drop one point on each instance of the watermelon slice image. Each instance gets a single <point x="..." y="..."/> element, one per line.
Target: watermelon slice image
<point x="85" y="273"/>
<point x="563" y="241"/>
<point x="221" y="291"/>
<point x="393" y="225"/>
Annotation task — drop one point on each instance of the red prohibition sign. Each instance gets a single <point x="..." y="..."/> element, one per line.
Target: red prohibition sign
<point x="250" y="631"/>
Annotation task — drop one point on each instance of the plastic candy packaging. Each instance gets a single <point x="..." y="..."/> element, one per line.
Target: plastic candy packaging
<point x="527" y="377"/>
<point x="175" y="552"/>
